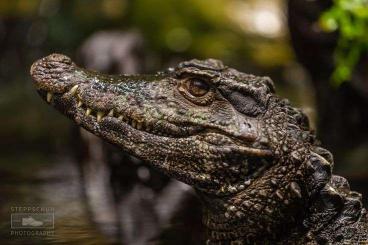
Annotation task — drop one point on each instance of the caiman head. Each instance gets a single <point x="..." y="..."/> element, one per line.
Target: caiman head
<point x="200" y="122"/>
<point x="248" y="153"/>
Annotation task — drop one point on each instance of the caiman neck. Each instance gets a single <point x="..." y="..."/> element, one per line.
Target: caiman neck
<point x="267" y="213"/>
<point x="269" y="209"/>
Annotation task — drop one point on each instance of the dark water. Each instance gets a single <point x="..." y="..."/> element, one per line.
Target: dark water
<point x="85" y="215"/>
<point x="46" y="183"/>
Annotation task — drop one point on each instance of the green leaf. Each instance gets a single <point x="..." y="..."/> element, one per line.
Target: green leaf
<point x="350" y="19"/>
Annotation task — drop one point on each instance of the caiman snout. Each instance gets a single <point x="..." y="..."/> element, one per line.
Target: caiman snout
<point x="52" y="73"/>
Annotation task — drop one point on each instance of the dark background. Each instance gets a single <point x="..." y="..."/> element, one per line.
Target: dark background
<point x="41" y="152"/>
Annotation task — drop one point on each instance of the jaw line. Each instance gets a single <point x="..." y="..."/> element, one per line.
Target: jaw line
<point x="112" y="129"/>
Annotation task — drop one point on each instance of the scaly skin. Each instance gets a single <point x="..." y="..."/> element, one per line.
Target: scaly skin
<point x="250" y="156"/>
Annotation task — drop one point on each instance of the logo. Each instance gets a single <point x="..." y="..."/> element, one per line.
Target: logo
<point x="32" y="221"/>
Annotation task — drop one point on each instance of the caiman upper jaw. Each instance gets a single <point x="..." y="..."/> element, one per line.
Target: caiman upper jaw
<point x="75" y="91"/>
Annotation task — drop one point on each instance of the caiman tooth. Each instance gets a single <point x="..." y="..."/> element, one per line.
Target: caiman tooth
<point x="100" y="115"/>
<point x="80" y="103"/>
<point x="111" y="113"/>
<point x="49" y="97"/>
<point x="73" y="90"/>
<point x="88" y="111"/>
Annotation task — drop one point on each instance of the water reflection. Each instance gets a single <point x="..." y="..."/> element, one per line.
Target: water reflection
<point x="89" y="210"/>
<point x="127" y="200"/>
<point x="50" y="183"/>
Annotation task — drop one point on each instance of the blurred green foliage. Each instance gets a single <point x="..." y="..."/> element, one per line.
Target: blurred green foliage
<point x="221" y="29"/>
<point x="250" y="35"/>
<point x="350" y="19"/>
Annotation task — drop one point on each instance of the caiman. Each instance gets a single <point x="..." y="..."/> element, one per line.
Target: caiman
<point x="252" y="158"/>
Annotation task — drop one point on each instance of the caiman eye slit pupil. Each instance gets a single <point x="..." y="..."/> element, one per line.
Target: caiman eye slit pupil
<point x="197" y="87"/>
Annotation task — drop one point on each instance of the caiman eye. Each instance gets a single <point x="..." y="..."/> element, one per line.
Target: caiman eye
<point x="197" y="90"/>
<point x="197" y="87"/>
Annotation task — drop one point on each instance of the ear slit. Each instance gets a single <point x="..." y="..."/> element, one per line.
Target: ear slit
<point x="244" y="103"/>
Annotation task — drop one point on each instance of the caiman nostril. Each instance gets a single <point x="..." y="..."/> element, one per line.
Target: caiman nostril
<point x="56" y="58"/>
